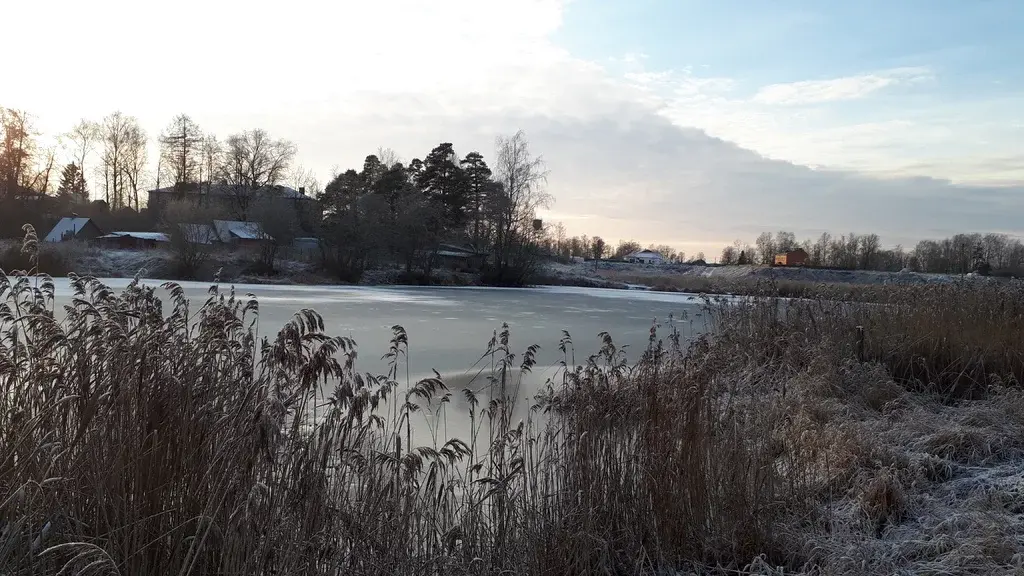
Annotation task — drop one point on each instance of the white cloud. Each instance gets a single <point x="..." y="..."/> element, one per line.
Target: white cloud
<point x="341" y="79"/>
<point x="837" y="89"/>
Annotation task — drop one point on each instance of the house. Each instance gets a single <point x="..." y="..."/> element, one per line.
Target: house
<point x="456" y="257"/>
<point x="796" y="257"/>
<point x="645" y="257"/>
<point x="134" y="240"/>
<point x="74" y="228"/>
<point x="235" y="200"/>
<point x="198" y="233"/>
<point x="239" y="233"/>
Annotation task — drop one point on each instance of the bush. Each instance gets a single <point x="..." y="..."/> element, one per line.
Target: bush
<point x="53" y="259"/>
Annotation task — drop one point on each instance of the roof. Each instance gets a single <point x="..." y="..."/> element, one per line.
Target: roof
<point x="230" y="190"/>
<point x="198" y="233"/>
<point x="645" y="254"/>
<point x="157" y="236"/>
<point x="67" y="226"/>
<point x="456" y="250"/>
<point x="228" y="229"/>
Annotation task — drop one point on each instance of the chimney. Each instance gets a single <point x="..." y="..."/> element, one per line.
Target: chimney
<point x="302" y="190"/>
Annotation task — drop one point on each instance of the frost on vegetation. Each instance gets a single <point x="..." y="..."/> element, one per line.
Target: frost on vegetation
<point x="145" y="437"/>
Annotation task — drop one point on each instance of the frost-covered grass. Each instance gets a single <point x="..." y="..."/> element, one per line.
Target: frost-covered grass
<point x="751" y="280"/>
<point x="148" y="437"/>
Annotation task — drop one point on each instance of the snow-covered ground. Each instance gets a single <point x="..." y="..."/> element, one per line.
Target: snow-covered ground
<point x="622" y="271"/>
<point x="234" y="267"/>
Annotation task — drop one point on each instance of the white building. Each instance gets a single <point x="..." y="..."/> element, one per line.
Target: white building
<point x="645" y="257"/>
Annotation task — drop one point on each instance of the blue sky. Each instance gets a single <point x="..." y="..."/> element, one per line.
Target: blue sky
<point x="787" y="40"/>
<point x="914" y="87"/>
<point x="686" y="122"/>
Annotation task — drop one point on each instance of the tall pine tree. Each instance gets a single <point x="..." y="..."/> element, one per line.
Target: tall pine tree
<point x="478" y="184"/>
<point x="72" y="185"/>
<point x="444" y="184"/>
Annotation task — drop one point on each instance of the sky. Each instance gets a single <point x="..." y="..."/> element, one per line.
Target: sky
<point x="685" y="122"/>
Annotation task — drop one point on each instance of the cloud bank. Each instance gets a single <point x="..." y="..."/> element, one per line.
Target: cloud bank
<point x="657" y="156"/>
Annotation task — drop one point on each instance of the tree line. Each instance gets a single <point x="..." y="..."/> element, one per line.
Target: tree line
<point x="114" y="151"/>
<point x="958" y="254"/>
<point x="385" y="210"/>
<point x="557" y="244"/>
<point x="390" y="210"/>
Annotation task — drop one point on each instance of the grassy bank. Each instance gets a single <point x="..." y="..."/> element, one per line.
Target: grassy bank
<point x="141" y="436"/>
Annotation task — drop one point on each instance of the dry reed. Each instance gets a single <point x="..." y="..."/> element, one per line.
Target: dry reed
<point x="139" y="439"/>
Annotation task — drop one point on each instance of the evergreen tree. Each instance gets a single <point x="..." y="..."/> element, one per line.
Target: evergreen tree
<point x="444" y="183"/>
<point x="478" y="184"/>
<point x="414" y="169"/>
<point x="393" y="185"/>
<point x="72" y="185"/>
<point x="372" y="170"/>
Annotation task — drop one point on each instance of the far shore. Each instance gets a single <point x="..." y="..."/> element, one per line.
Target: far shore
<point x="697" y="279"/>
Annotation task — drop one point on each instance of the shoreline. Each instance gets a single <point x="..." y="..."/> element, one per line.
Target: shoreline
<point x="711" y="280"/>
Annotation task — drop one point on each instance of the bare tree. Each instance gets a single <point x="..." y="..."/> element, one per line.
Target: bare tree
<point x="766" y="248"/>
<point x="180" y="149"/>
<point x="17" y="149"/>
<point x="189" y="227"/>
<point x="729" y="256"/>
<point x="81" y="140"/>
<point x="560" y="236"/>
<point x="42" y="175"/>
<point x="388" y="157"/>
<point x="868" y="250"/>
<point x="597" y="247"/>
<point x="304" y="179"/>
<point x="522" y="177"/>
<point x="212" y="158"/>
<point x="134" y="164"/>
<point x="253" y="160"/>
<point x="118" y="134"/>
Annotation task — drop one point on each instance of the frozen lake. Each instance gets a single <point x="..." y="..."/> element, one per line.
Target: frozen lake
<point x="449" y="327"/>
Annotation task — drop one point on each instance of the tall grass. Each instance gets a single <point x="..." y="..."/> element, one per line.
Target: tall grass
<point x="139" y="438"/>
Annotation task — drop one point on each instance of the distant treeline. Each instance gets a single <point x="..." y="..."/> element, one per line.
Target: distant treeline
<point x="959" y="254"/>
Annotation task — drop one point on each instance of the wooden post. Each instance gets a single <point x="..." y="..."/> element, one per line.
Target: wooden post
<point x="860" y="343"/>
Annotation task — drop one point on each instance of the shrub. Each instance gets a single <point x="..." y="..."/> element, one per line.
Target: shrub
<point x="53" y="259"/>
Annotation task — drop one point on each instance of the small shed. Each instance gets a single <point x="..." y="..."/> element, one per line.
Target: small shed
<point x="796" y="257"/>
<point x="133" y="240"/>
<point x="74" y="228"/>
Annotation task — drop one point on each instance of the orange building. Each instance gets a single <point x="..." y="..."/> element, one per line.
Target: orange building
<point x="796" y="257"/>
